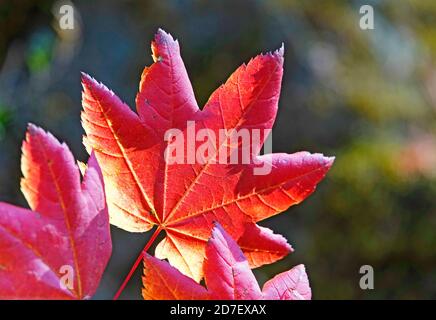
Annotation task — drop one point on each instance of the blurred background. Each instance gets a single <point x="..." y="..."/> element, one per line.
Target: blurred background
<point x="366" y="96"/>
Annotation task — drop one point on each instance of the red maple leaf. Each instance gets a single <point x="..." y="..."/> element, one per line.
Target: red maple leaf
<point x="60" y="248"/>
<point x="183" y="199"/>
<point x="227" y="275"/>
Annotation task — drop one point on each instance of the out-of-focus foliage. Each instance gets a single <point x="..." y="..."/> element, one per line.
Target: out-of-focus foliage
<point x="367" y="97"/>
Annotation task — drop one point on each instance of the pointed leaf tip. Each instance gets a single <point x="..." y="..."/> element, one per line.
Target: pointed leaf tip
<point x="33" y="131"/>
<point x="327" y="161"/>
<point x="330" y="161"/>
<point x="83" y="75"/>
<point x="163" y="45"/>
<point x="86" y="79"/>
<point x="261" y="246"/>
<point x="31" y="128"/>
<point x="162" y="33"/>
<point x="89" y="82"/>
<point x="280" y="51"/>
<point x="163" y="38"/>
<point x="289" y="285"/>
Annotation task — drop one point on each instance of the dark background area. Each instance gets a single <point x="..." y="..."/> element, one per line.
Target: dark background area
<point x="367" y="97"/>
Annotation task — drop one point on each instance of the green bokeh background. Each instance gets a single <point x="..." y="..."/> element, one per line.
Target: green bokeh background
<point x="367" y="97"/>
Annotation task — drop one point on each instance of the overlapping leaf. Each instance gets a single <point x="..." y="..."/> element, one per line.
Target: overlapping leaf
<point x="227" y="275"/>
<point x="184" y="199"/>
<point x="60" y="248"/>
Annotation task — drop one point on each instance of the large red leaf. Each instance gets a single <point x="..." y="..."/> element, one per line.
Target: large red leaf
<point x="227" y="275"/>
<point x="65" y="237"/>
<point x="144" y="190"/>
